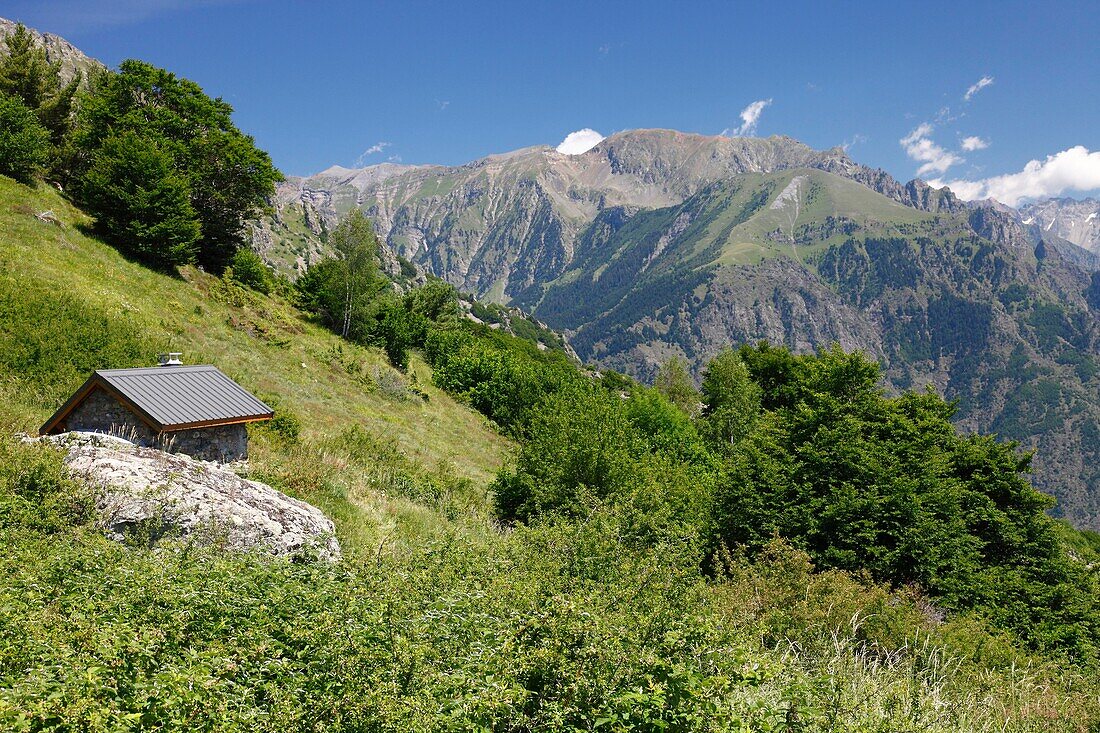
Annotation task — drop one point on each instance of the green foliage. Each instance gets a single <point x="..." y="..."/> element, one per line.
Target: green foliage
<point x="613" y="381"/>
<point x="26" y="74"/>
<point x="811" y="450"/>
<point x="731" y="399"/>
<point x="204" y="157"/>
<point x="248" y="269"/>
<point x="348" y="292"/>
<point x="554" y="627"/>
<point x="585" y="449"/>
<point x="50" y="342"/>
<point x="399" y="330"/>
<point x="887" y="486"/>
<point x="503" y="377"/>
<point x="674" y="381"/>
<point x="141" y="204"/>
<point x="24" y="143"/>
<point x="436" y="301"/>
<point x="36" y="494"/>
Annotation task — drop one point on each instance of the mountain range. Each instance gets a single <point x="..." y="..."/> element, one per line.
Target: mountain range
<point x="658" y="243"/>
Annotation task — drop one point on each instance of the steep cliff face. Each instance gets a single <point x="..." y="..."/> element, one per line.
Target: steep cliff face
<point x="1074" y="221"/>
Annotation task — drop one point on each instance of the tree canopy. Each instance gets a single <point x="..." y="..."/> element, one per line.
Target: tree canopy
<point x="225" y="177"/>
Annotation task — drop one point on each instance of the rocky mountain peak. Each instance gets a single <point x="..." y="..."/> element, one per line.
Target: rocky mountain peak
<point x="72" y="59"/>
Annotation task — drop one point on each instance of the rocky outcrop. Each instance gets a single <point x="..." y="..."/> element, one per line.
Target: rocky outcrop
<point x="145" y="494"/>
<point x="73" y="61"/>
<point x="1072" y="220"/>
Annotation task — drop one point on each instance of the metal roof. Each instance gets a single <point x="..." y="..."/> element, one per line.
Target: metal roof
<point x="173" y="397"/>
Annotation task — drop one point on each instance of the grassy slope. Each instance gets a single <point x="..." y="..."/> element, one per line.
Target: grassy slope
<point x="817" y="196"/>
<point x="262" y="342"/>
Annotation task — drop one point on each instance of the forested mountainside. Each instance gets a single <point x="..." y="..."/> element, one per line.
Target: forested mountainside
<point x="657" y="244"/>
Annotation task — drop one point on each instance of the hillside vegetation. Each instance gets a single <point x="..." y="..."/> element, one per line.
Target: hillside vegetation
<point x="529" y="544"/>
<point x="69" y="304"/>
<point x="437" y="619"/>
<point x="657" y="244"/>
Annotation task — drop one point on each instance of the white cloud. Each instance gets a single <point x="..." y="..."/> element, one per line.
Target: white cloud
<point x="749" y="117"/>
<point x="920" y="147"/>
<point x="1075" y="169"/>
<point x="977" y="86"/>
<point x="372" y="150"/>
<point x="856" y="139"/>
<point x="580" y="141"/>
<point x="973" y="143"/>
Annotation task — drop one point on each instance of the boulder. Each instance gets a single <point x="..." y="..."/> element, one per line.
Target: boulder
<point x="151" y="495"/>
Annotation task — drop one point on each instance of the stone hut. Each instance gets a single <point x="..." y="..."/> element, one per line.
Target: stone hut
<point x="195" y="410"/>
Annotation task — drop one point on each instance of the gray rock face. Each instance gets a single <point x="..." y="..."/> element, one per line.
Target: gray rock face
<point x="175" y="497"/>
<point x="1074" y="221"/>
<point x="58" y="50"/>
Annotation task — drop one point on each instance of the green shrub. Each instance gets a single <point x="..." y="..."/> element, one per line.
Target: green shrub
<point x="248" y="269"/>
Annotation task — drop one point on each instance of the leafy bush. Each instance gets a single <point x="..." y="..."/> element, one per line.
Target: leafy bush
<point x="553" y="627"/>
<point x="503" y="377"/>
<point x="869" y="483"/>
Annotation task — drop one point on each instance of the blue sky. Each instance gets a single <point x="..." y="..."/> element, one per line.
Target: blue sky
<point x="319" y="83"/>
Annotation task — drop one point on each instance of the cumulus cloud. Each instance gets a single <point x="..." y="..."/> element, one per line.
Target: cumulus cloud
<point x="920" y="147"/>
<point x="974" y="143"/>
<point x="977" y="86"/>
<point x="580" y="141"/>
<point x="1075" y="169"/>
<point x="749" y="117"/>
<point x="372" y="150"/>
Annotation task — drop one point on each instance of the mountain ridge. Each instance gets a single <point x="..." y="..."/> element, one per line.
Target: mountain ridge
<point x="656" y="243"/>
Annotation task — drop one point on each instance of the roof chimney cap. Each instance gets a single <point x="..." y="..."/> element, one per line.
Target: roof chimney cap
<point x="172" y="358"/>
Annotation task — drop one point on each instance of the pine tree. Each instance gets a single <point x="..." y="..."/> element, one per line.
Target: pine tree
<point x="24" y="143"/>
<point x="27" y="74"/>
<point x="227" y="177"/>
